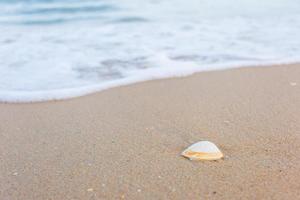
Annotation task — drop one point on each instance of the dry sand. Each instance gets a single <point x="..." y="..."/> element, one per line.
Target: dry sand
<point x="125" y="143"/>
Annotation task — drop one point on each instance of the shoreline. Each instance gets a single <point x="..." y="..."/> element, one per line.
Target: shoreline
<point x="125" y="142"/>
<point x="70" y="93"/>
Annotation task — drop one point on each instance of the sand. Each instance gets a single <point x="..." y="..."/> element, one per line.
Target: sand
<point x="125" y="143"/>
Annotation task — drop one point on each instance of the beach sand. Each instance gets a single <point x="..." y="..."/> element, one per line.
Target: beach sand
<point x="125" y="143"/>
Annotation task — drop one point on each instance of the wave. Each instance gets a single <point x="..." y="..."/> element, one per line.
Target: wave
<point x="62" y="49"/>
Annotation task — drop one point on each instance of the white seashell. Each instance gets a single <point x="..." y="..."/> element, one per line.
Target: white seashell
<point x="203" y="150"/>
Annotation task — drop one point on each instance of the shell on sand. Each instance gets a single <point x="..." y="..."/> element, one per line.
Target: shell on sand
<point x="203" y="150"/>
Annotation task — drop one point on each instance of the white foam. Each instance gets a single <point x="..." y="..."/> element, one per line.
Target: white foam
<point x="66" y="54"/>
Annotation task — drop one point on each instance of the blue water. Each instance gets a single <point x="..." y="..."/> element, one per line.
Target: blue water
<point x="55" y="49"/>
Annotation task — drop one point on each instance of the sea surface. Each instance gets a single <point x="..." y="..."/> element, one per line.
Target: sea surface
<point x="56" y="49"/>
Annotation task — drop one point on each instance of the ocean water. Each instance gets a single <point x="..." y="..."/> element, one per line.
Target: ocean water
<point x="56" y="49"/>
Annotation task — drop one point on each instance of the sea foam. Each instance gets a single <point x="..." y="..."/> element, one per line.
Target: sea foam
<point x="62" y="49"/>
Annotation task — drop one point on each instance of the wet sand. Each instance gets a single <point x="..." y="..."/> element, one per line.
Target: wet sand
<point x="125" y="143"/>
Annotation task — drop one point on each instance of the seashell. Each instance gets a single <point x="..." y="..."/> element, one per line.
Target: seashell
<point x="203" y="150"/>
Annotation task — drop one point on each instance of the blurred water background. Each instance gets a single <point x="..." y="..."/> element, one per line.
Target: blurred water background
<point x="53" y="49"/>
